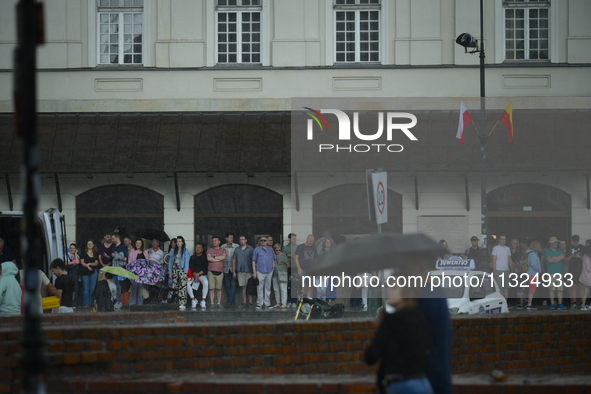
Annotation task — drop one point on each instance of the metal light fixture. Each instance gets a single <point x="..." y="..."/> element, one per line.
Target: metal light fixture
<point x="467" y="40"/>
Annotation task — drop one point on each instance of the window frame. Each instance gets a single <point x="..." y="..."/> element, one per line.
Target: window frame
<point x="121" y="10"/>
<point x="357" y="8"/>
<point x="239" y="10"/>
<point x="526" y="5"/>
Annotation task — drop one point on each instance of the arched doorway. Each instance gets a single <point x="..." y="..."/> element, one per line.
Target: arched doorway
<point x="239" y="209"/>
<point x="105" y="208"/>
<point x="343" y="211"/>
<point x="530" y="211"/>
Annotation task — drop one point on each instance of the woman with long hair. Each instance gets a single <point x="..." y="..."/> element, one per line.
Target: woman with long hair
<point x="178" y="269"/>
<point x="172" y="245"/>
<point x="72" y="260"/>
<point x="88" y="271"/>
<point x="137" y="252"/>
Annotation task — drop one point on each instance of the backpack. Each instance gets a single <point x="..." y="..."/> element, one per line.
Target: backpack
<point x="522" y="265"/>
<point x="102" y="296"/>
<point x="251" y="286"/>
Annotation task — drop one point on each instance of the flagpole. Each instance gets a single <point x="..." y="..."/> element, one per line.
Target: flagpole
<point x="475" y="128"/>
<point x="493" y="129"/>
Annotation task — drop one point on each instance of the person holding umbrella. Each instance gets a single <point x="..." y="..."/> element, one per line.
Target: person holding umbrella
<point x="136" y="253"/>
<point x="401" y="345"/>
<point x="410" y="254"/>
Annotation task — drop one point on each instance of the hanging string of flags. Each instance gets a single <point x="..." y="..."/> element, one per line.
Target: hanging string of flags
<point x="506" y="119"/>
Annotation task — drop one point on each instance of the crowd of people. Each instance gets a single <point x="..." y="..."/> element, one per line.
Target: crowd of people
<point x="264" y="268"/>
<point x="267" y="268"/>
<point x="564" y="263"/>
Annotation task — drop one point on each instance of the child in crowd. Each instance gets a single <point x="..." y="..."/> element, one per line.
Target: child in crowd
<point x="105" y="294"/>
<point x="112" y="287"/>
<point x="125" y="292"/>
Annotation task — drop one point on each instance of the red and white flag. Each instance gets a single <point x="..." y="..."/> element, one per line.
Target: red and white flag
<point x="464" y="120"/>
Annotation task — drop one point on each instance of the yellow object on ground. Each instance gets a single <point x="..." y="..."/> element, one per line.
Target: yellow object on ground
<point x="50" y="302"/>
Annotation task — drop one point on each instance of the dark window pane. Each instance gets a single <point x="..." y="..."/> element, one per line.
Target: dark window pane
<point x="256" y="58"/>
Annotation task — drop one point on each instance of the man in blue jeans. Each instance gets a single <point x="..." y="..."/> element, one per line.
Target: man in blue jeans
<point x="229" y="280"/>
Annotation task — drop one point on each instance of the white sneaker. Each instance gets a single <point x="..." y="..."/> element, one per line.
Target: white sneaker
<point x="193" y="304"/>
<point x="586" y="308"/>
<point x="118" y="305"/>
<point x="182" y="308"/>
<point x="203" y="304"/>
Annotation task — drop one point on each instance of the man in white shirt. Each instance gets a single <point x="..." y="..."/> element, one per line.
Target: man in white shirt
<point x="502" y="265"/>
<point x="155" y="253"/>
<point x="43" y="284"/>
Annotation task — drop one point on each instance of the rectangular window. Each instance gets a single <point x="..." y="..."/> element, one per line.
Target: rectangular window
<point x="526" y="29"/>
<point x="238" y="31"/>
<point x="120" y="24"/>
<point x="357" y="30"/>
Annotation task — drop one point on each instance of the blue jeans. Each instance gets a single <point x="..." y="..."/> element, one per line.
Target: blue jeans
<point x="413" y="386"/>
<point x="88" y="284"/>
<point x="230" y="285"/>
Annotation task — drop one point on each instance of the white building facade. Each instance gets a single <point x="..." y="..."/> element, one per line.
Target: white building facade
<point x="186" y="103"/>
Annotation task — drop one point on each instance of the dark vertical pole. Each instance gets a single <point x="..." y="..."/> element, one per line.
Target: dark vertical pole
<point x="176" y="192"/>
<point x="58" y="191"/>
<point x="9" y="191"/>
<point x="483" y="139"/>
<point x="588" y="195"/>
<point x="297" y="192"/>
<point x="26" y="127"/>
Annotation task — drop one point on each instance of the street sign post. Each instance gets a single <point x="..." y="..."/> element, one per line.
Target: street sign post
<point x="377" y="196"/>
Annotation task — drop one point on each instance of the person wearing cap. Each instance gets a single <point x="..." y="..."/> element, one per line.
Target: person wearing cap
<point x="554" y="256"/>
<point x="473" y="252"/>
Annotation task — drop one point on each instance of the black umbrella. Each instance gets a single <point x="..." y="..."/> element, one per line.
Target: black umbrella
<point x="374" y="253"/>
<point x="153" y="233"/>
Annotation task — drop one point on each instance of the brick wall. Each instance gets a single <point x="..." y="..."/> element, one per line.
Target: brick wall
<point x="557" y="343"/>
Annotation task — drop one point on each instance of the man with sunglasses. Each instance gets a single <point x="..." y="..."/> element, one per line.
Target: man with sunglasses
<point x="263" y="264"/>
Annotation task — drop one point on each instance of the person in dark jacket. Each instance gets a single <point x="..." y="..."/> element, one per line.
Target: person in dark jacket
<point x="401" y="345"/>
<point x="198" y="266"/>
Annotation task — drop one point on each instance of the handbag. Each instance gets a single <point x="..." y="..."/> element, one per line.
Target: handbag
<point x="282" y="275"/>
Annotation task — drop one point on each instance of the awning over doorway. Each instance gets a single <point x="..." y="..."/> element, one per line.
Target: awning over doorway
<point x="154" y="142"/>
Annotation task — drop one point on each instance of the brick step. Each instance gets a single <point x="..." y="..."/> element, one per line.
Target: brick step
<point x="304" y="384"/>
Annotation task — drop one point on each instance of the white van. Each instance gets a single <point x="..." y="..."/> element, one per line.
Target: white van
<point x="51" y="223"/>
<point x="477" y="294"/>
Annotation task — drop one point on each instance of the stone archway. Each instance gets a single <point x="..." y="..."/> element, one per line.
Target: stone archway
<point x="342" y="210"/>
<point x="529" y="210"/>
<point x="238" y="209"/>
<point x="105" y="208"/>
